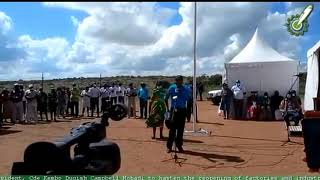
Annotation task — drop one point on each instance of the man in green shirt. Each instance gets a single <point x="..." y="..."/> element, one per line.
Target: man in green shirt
<point x="75" y="98"/>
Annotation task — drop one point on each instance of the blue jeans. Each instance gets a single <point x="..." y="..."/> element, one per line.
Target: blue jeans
<point x="225" y="106"/>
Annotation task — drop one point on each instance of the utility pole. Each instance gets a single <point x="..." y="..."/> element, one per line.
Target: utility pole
<point x="42" y="79"/>
<point x="100" y="80"/>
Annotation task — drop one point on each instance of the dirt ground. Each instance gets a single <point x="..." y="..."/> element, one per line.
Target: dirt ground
<point x="234" y="147"/>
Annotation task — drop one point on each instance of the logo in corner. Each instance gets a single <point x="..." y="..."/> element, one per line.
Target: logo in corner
<point x="298" y="24"/>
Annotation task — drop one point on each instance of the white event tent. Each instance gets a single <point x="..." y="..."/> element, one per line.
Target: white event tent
<point x="312" y="83"/>
<point x="261" y="68"/>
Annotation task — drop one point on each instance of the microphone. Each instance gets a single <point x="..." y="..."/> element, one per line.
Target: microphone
<point x="298" y="75"/>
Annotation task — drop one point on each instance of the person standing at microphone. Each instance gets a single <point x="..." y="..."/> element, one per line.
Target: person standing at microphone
<point x="179" y="96"/>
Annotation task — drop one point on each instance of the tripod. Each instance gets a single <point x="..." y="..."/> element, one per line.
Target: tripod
<point x="175" y="155"/>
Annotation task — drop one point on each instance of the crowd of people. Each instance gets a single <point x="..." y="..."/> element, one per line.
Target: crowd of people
<point x="257" y="107"/>
<point x="31" y="105"/>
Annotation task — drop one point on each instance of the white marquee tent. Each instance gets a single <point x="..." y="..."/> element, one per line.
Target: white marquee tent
<point x="261" y="68"/>
<point x="312" y="83"/>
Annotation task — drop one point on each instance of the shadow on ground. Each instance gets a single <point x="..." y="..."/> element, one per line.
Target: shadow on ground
<point x="6" y="132"/>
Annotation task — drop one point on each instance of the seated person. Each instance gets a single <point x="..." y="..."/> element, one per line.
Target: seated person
<point x="291" y="106"/>
<point x="252" y="105"/>
<point x="265" y="109"/>
<point x="274" y="104"/>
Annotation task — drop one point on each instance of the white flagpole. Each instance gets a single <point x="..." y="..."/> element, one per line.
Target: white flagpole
<point x="194" y="114"/>
<point x="195" y="68"/>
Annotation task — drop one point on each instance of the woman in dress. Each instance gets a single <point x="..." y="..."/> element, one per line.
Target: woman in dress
<point x="157" y="110"/>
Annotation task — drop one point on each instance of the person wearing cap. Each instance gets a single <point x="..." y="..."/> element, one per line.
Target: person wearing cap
<point x="238" y="99"/>
<point x="132" y="94"/>
<point x="75" y="98"/>
<point x="105" y="97"/>
<point x="42" y="104"/>
<point x="16" y="97"/>
<point x="143" y="95"/>
<point x="53" y="103"/>
<point x="226" y="98"/>
<point x="179" y="95"/>
<point x="31" y="96"/>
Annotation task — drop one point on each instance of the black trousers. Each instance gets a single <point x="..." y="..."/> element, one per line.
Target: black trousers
<point x="189" y="110"/>
<point x="177" y="129"/>
<point x="94" y="102"/>
<point x="121" y="99"/>
<point x="104" y="103"/>
<point x="113" y="100"/>
<point x="143" y="108"/>
<point x="75" y="108"/>
<point x="238" y="108"/>
<point x="43" y="110"/>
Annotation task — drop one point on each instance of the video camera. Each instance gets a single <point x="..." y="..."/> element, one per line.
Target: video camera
<point x="92" y="153"/>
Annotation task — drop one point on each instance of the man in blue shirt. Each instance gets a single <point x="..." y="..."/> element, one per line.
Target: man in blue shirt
<point x="179" y="96"/>
<point x="143" y="95"/>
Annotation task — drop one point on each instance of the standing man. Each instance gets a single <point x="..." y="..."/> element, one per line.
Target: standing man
<point x="179" y="95"/>
<point x="42" y="103"/>
<point x="200" y="89"/>
<point x="32" y="113"/>
<point x="143" y="95"/>
<point x="113" y="94"/>
<point x="132" y="94"/>
<point x="53" y="103"/>
<point x="238" y="93"/>
<point x="94" y="94"/>
<point x="75" y="98"/>
<point x="62" y="102"/>
<point x="68" y="100"/>
<point x="24" y="101"/>
<point x="122" y="91"/>
<point x="105" y="97"/>
<point x="85" y="101"/>
<point x="16" y="97"/>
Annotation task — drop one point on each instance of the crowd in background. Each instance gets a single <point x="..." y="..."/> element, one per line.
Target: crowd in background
<point x="259" y="107"/>
<point x="28" y="105"/>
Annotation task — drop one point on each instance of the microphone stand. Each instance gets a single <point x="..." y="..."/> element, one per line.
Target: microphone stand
<point x="286" y="109"/>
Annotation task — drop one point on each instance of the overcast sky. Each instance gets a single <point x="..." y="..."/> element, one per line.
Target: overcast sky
<point x="86" y="39"/>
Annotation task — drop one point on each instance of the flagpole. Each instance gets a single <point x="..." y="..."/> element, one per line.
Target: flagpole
<point x="194" y="89"/>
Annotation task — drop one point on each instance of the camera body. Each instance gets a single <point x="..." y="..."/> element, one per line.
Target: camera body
<point x="93" y="154"/>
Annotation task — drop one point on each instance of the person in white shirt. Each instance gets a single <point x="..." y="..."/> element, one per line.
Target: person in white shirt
<point x="105" y="97"/>
<point x="113" y="94"/>
<point x="94" y="94"/>
<point x="32" y="113"/>
<point x="238" y="93"/>
<point x="121" y="93"/>
<point x="85" y="101"/>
